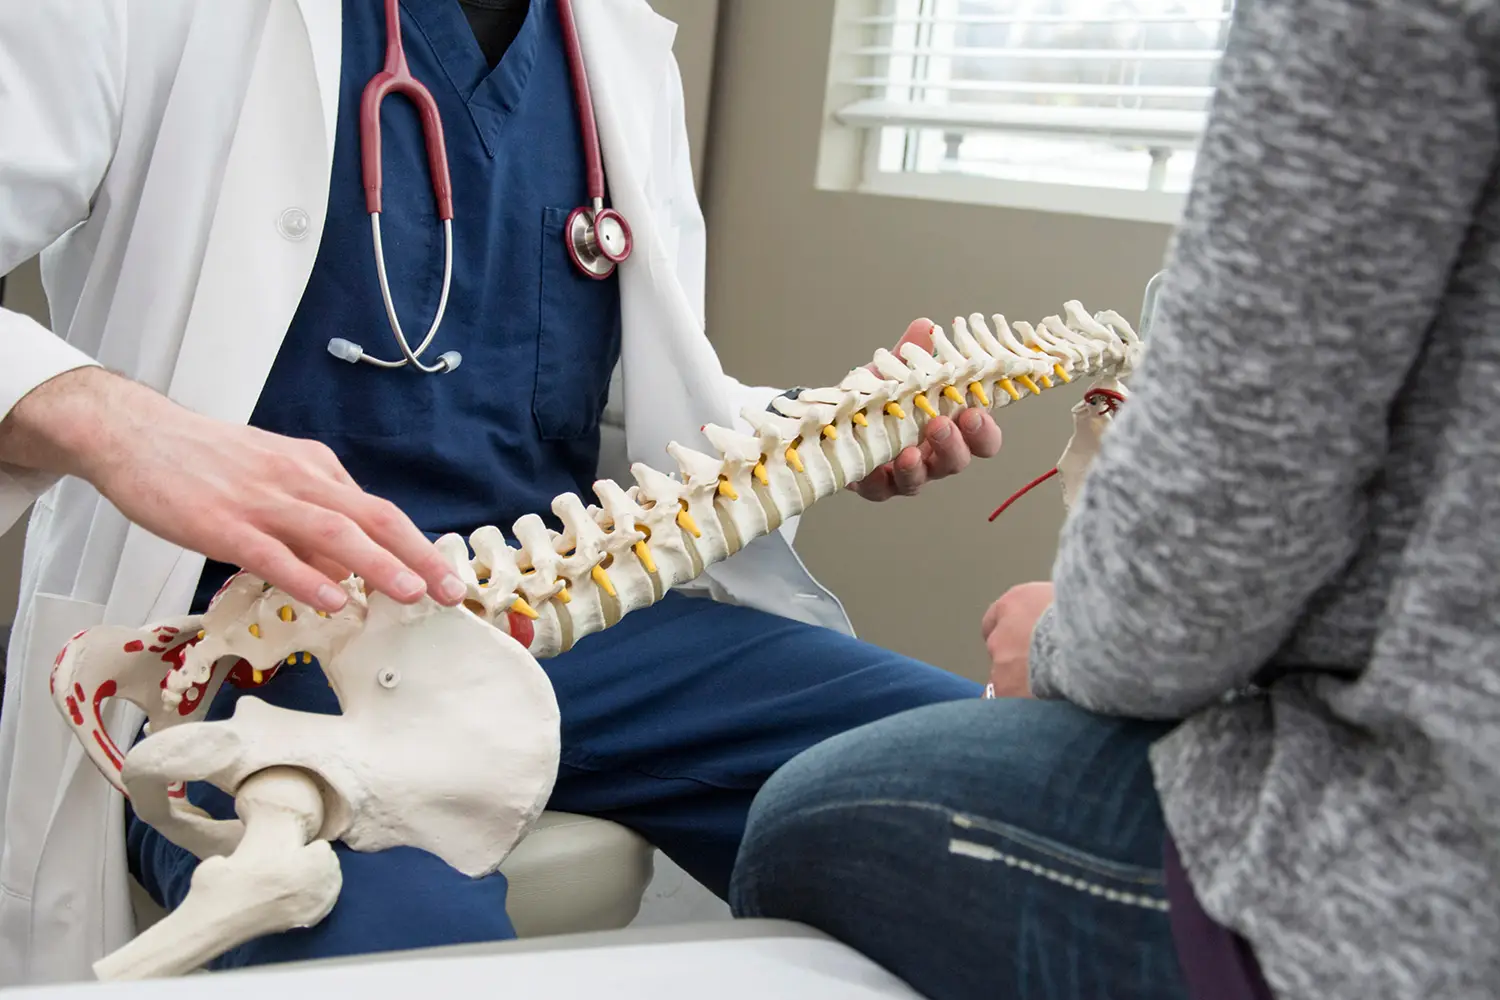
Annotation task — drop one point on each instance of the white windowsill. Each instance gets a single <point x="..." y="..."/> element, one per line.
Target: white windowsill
<point x="1070" y="199"/>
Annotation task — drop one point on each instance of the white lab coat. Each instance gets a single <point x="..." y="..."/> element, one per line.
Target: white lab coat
<point x="161" y="152"/>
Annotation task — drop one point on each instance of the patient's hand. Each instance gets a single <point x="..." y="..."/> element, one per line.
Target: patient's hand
<point x="1007" y="629"/>
<point x="948" y="445"/>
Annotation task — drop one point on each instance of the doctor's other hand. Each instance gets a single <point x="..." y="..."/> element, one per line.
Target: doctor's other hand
<point x="283" y="509"/>
<point x="1007" y="629"/>
<point x="948" y="444"/>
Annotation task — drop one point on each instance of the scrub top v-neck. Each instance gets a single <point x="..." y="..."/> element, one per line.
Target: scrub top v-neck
<point x="518" y="422"/>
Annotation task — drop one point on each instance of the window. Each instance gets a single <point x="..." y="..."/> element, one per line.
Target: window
<point x="1085" y="106"/>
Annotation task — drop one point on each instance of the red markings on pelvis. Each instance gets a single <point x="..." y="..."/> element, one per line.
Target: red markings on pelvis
<point x="103" y="691"/>
<point x="108" y="746"/>
<point x="135" y="646"/>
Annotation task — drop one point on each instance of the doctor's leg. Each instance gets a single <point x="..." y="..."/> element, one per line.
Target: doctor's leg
<point x="674" y="718"/>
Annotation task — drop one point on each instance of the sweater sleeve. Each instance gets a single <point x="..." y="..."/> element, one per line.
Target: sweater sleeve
<point x="1347" y="146"/>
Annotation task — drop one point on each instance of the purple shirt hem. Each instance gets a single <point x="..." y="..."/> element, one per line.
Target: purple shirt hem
<point x="1217" y="964"/>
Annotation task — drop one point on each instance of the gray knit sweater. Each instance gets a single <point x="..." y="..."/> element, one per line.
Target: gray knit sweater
<point x="1291" y="539"/>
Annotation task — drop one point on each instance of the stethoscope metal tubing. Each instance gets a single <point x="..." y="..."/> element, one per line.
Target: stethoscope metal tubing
<point x="412" y="357"/>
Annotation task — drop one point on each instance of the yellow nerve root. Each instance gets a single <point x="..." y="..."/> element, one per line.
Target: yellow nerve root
<point x="522" y="607"/>
<point x="1030" y="385"/>
<point x="793" y="459"/>
<point x="954" y="395"/>
<point x="1062" y="372"/>
<point x="895" y="411"/>
<point x="859" y="418"/>
<point x="643" y="553"/>
<point x="685" y="521"/>
<point x="1010" y="388"/>
<point x="979" y="394"/>
<point x="602" y="579"/>
<point x="831" y="432"/>
<point x="726" y="491"/>
<point x="921" y="403"/>
<point x="760" y="473"/>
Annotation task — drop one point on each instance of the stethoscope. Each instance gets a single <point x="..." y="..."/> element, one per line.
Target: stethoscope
<point x="598" y="238"/>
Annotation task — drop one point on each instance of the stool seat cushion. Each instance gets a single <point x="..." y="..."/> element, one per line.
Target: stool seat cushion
<point x="575" y="873"/>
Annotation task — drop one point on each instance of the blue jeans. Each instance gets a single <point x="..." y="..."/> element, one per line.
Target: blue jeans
<point x="671" y="722"/>
<point x="998" y="849"/>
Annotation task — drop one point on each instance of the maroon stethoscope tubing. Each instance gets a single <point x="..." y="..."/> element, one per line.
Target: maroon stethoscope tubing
<point x="588" y="128"/>
<point x="397" y="77"/>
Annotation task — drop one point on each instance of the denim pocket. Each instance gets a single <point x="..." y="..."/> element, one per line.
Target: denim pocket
<point x="578" y="339"/>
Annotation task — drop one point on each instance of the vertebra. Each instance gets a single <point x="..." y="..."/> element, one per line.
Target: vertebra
<point x="637" y="543"/>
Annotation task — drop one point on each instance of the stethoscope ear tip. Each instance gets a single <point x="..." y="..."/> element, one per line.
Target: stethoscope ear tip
<point x="449" y="361"/>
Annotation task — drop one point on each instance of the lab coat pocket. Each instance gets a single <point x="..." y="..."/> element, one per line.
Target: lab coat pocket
<point x="41" y="738"/>
<point x="578" y="339"/>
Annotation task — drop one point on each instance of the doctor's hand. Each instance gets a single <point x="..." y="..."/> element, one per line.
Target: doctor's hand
<point x="281" y="508"/>
<point x="1007" y="628"/>
<point x="948" y="445"/>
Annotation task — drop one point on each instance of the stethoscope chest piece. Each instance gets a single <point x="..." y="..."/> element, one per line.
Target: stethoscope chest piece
<point x="598" y="240"/>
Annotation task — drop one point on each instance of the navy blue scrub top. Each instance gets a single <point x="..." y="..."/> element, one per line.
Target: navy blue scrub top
<point x="518" y="422"/>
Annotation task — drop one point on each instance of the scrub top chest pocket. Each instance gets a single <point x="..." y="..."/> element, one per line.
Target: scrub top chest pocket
<point x="578" y="339"/>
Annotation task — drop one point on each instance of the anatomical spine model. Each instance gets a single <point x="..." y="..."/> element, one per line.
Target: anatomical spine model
<point x="448" y="739"/>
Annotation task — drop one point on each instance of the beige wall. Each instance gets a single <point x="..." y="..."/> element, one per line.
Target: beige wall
<point x="804" y="284"/>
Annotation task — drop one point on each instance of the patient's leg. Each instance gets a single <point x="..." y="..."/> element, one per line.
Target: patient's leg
<point x="1008" y="848"/>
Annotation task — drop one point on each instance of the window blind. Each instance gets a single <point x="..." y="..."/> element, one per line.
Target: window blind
<point x="992" y="85"/>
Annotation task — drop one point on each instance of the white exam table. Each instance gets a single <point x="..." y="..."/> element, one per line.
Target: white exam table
<point x="733" y="960"/>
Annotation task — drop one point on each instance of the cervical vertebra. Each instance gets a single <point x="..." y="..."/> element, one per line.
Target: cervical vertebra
<point x="449" y="735"/>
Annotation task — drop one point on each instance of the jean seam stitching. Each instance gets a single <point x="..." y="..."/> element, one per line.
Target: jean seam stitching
<point x="982" y="852"/>
<point x="1041" y="845"/>
<point x="1059" y="852"/>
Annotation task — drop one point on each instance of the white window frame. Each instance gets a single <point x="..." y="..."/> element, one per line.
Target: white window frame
<point x="850" y="148"/>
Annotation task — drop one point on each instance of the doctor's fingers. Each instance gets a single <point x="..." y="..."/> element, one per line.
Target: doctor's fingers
<point x="264" y="556"/>
<point x="371" y="537"/>
<point x="910" y="471"/>
<point x="981" y="433"/>
<point x="945" y="450"/>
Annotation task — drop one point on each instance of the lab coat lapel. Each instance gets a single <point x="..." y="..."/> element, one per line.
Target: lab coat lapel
<point x="627" y="49"/>
<point x="257" y="257"/>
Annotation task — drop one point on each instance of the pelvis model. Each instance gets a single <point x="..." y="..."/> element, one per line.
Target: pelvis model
<point x="449" y="735"/>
